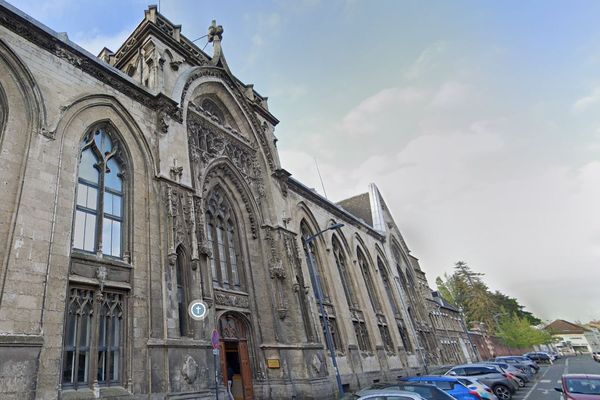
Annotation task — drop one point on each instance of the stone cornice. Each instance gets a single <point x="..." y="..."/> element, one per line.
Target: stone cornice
<point x="333" y="208"/>
<point x="45" y="38"/>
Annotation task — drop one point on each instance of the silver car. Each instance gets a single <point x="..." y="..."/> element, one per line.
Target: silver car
<point x="502" y="386"/>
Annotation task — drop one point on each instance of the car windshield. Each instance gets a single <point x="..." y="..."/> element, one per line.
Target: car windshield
<point x="583" y="386"/>
<point x="427" y="392"/>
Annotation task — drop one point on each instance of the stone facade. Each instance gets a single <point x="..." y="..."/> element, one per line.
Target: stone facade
<point x="455" y="346"/>
<point x="187" y="200"/>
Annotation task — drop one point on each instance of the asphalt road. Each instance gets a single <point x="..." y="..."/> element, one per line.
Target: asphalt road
<point x="542" y="387"/>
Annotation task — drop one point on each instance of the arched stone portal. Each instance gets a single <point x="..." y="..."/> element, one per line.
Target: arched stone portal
<point x="235" y="360"/>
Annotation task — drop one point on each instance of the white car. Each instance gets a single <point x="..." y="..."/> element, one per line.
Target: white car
<point x="482" y="390"/>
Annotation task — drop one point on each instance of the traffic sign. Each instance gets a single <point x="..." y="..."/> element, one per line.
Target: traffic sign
<point x="214" y="339"/>
<point x="198" y="310"/>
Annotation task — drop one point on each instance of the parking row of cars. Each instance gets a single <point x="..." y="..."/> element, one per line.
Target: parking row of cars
<point x="497" y="379"/>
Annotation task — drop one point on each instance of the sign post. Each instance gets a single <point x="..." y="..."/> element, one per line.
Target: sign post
<point x="214" y="339"/>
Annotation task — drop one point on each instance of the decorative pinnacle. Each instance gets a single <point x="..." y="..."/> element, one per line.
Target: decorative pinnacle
<point x="215" y="31"/>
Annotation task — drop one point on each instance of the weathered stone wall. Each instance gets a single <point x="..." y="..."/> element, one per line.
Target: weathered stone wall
<point x="177" y="154"/>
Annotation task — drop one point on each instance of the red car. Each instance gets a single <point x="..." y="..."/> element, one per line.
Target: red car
<point x="580" y="387"/>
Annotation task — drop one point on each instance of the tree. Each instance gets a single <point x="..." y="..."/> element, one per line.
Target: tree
<point x="516" y="332"/>
<point x="466" y="289"/>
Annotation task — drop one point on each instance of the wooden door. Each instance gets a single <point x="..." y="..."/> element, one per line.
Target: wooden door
<point x="223" y="362"/>
<point x="246" y="370"/>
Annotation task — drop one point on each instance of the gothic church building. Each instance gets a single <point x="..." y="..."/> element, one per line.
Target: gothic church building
<point x="137" y="181"/>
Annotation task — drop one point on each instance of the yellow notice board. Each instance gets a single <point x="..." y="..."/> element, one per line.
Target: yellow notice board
<point x="272" y="363"/>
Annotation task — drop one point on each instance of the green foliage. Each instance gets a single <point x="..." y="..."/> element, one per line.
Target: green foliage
<point x="517" y="332"/>
<point x="466" y="289"/>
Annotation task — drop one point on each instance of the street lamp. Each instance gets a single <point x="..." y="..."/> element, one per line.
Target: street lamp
<point x="316" y="282"/>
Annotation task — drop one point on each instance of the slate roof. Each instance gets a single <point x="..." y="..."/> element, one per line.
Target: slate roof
<point x="359" y="205"/>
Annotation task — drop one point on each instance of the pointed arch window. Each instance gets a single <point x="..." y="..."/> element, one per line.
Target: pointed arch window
<point x="99" y="207"/>
<point x="342" y="266"/>
<point x="223" y="240"/>
<point x="366" y="274"/>
<point x="331" y="319"/>
<point x="210" y="106"/>
<point x="395" y="308"/>
<point x="374" y="298"/>
<point x="358" y="320"/>
<point x="183" y="298"/>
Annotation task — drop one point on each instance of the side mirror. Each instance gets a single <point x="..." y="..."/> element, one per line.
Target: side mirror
<point x="452" y="373"/>
<point x="558" y="389"/>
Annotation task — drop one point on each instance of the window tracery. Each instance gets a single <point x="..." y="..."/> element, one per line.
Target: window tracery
<point x="358" y="321"/>
<point x="93" y="343"/>
<point x="395" y="308"/>
<point x="331" y="320"/>
<point x="374" y="298"/>
<point x="99" y="207"/>
<point x="222" y="239"/>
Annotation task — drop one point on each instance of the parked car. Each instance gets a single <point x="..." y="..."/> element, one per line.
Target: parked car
<point x="449" y="384"/>
<point x="555" y="355"/>
<point x="579" y="387"/>
<point x="523" y="367"/>
<point x="428" y="392"/>
<point x="500" y="384"/>
<point x="485" y="392"/>
<point x="389" y="394"/>
<point x="522" y="377"/>
<point x="596" y="356"/>
<point x="539" y="357"/>
<point x="522" y="360"/>
<point x="512" y="378"/>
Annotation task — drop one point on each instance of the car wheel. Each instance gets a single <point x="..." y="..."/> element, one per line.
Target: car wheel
<point x="502" y="392"/>
<point x="520" y="382"/>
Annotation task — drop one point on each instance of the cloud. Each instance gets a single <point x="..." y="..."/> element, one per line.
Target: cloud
<point x="463" y="186"/>
<point x="586" y="102"/>
<point x="452" y="94"/>
<point x="371" y="115"/>
<point x="96" y="42"/>
<point x="428" y="58"/>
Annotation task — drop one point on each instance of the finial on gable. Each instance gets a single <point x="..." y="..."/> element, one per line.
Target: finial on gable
<point x="215" y="35"/>
<point x="215" y="31"/>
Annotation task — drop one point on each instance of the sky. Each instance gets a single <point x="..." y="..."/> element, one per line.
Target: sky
<point x="478" y="121"/>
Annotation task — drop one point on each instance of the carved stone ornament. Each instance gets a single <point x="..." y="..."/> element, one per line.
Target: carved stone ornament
<point x="208" y="142"/>
<point x="231" y="300"/>
<point x="242" y="100"/>
<point x="101" y="274"/>
<point x="277" y="270"/>
<point x="85" y="63"/>
<point x="282" y="313"/>
<point x="176" y="171"/>
<point x="162" y="122"/>
<point x="316" y="363"/>
<point x="204" y="249"/>
<point x="189" y="370"/>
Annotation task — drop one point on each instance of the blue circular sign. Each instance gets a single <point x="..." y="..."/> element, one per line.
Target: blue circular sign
<point x="197" y="310"/>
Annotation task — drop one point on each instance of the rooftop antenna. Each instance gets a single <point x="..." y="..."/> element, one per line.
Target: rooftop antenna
<point x="320" y="178"/>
